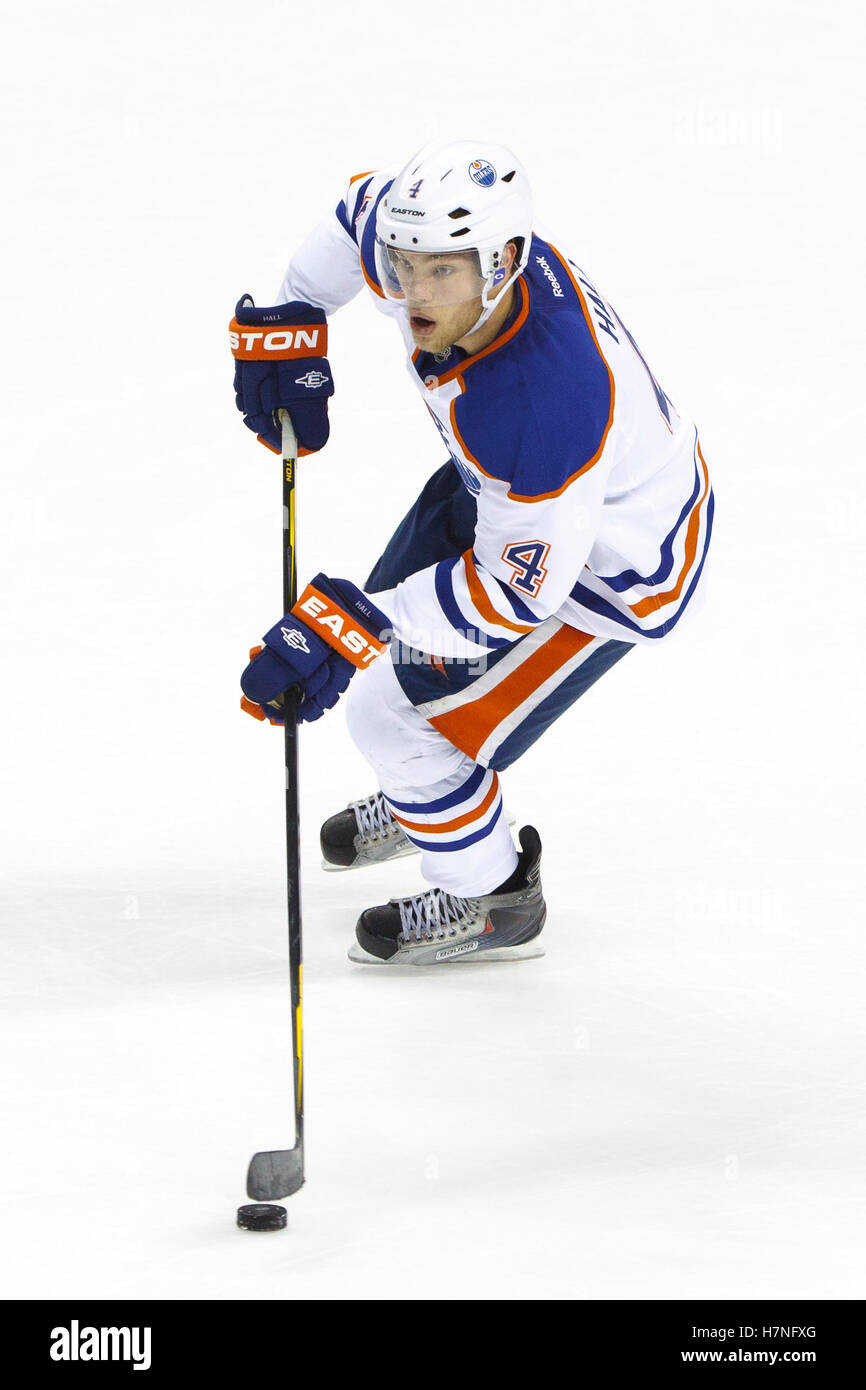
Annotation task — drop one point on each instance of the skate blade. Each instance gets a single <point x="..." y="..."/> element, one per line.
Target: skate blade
<point x="532" y="950"/>
<point x="402" y="853"/>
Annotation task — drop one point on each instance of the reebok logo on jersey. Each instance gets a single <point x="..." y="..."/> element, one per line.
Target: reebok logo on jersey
<point x="274" y="344"/>
<point x="336" y="627"/>
<point x="312" y="379"/>
<point x="557" y="287"/>
<point x="294" y="638"/>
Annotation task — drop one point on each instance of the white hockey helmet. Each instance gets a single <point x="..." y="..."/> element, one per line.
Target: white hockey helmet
<point x="464" y="200"/>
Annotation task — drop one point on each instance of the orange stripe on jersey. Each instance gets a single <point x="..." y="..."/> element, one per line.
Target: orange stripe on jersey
<point x="452" y="415"/>
<point x="372" y="283"/>
<point x="654" y="601"/>
<point x="467" y="452"/>
<point x="445" y="827"/>
<point x="481" y="599"/>
<point x="469" y="726"/>
<point x="365" y="175"/>
<point x="456" y="373"/>
<point x="584" y="468"/>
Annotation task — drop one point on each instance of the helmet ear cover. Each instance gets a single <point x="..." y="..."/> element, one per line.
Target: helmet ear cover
<point x="498" y="277"/>
<point x="496" y="259"/>
<point x="519" y="247"/>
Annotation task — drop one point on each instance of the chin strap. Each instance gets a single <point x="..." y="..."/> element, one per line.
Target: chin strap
<point x="490" y="305"/>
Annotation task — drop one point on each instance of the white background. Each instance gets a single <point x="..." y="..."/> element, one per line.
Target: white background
<point x="670" y="1103"/>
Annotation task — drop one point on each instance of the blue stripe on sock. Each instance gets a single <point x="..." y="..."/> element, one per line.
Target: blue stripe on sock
<point x="454" y="845"/>
<point x="443" y="803"/>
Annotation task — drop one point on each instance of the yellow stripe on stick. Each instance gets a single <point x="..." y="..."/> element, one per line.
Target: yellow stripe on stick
<point x="299" y="1031"/>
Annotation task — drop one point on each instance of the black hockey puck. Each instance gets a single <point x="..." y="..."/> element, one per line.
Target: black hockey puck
<point x="262" y="1216"/>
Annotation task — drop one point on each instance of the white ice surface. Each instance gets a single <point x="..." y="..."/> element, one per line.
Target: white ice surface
<point x="670" y="1103"/>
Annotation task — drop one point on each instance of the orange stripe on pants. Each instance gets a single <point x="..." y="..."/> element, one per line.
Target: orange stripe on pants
<point x="469" y="726"/>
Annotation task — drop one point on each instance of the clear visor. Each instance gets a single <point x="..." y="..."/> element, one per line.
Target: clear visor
<point x="428" y="279"/>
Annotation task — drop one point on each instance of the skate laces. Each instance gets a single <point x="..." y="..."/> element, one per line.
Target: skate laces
<point x="372" y="816"/>
<point x="434" y="913"/>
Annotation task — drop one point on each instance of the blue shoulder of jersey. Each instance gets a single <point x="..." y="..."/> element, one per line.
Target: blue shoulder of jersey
<point x="537" y="405"/>
<point x="348" y="209"/>
<point x="349" y="212"/>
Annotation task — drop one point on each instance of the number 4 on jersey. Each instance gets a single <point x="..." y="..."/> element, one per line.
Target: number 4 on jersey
<point x="527" y="558"/>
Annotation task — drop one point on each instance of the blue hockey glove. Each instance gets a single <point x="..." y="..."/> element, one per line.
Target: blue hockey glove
<point x="332" y="630"/>
<point x="280" y="362"/>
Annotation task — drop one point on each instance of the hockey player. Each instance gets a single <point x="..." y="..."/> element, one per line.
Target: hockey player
<point x="570" y="523"/>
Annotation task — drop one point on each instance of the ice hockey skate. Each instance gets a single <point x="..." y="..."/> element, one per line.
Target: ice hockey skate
<point x="435" y="927"/>
<point x="366" y="833"/>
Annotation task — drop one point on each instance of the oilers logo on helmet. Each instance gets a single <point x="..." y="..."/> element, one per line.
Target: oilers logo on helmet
<point x="482" y="173"/>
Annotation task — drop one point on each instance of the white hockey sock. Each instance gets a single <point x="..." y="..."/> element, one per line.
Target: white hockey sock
<point x="458" y="825"/>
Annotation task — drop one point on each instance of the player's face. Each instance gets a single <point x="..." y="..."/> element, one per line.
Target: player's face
<point x="441" y="292"/>
<point x="434" y="288"/>
<point x="435" y="280"/>
<point x="437" y="329"/>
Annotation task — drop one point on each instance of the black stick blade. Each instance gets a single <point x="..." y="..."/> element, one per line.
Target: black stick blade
<point x="276" y="1174"/>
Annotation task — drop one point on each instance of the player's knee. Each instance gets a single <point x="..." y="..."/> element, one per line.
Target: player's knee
<point x="369" y="717"/>
<point x="398" y="742"/>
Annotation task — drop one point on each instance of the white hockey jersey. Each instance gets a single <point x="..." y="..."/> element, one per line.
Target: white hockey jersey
<point x="594" y="500"/>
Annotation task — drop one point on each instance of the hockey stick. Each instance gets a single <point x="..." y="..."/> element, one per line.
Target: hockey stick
<point x="280" y="1172"/>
